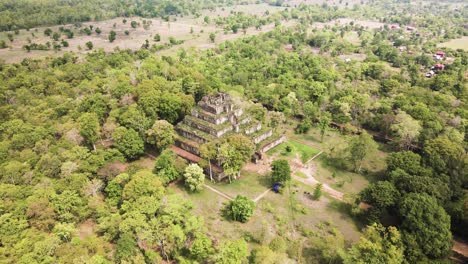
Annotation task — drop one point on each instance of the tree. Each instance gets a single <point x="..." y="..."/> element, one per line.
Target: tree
<point x="208" y="152"/>
<point x="157" y="37"/>
<point x="201" y="248"/>
<point x="143" y="183"/>
<point x="112" y="36"/>
<point x="406" y="129"/>
<point x="427" y="224"/>
<point x="161" y="134"/>
<point x="407" y="161"/>
<point x="133" y="117"/>
<point x="134" y="24"/>
<point x="165" y="166"/>
<point x="280" y="171"/>
<point x="98" y="31"/>
<point x="128" y="142"/>
<point x="232" y="252"/>
<point x="89" y="45"/>
<point x="64" y="231"/>
<point x="359" y="148"/>
<point x="194" y="177"/>
<point x="324" y="123"/>
<point x="377" y="245"/>
<point x="126" y="247"/>
<point x="240" y="209"/>
<point x="445" y="156"/>
<point x="317" y="191"/>
<point x="89" y="128"/>
<point x="381" y="195"/>
<point x="212" y="37"/>
<point x="233" y="153"/>
<point x="56" y="36"/>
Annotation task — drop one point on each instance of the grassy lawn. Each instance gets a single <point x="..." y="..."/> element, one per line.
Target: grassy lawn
<point x="460" y="43"/>
<point x="273" y="215"/>
<point x="327" y="172"/>
<point x="305" y="152"/>
<point x="249" y="184"/>
<point x="344" y="181"/>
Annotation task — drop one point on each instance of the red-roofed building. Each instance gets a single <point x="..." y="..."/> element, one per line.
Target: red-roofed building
<point x="439" y="67"/>
<point x="440" y="53"/>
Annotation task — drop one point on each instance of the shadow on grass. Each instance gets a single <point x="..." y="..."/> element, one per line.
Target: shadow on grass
<point x="264" y="180"/>
<point x="346" y="211"/>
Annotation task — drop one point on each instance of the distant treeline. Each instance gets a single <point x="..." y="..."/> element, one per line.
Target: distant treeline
<point x="19" y="14"/>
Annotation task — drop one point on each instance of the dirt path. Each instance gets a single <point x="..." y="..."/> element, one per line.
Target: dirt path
<point x="218" y="192"/>
<point x="309" y="171"/>
<point x="461" y="248"/>
<point x="261" y="195"/>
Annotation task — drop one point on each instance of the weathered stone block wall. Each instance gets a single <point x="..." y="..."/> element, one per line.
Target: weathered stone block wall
<point x="217" y="120"/>
<point x="253" y="129"/>
<point x="263" y="136"/>
<point x="191" y="136"/>
<point x="187" y="147"/>
<point x="272" y="144"/>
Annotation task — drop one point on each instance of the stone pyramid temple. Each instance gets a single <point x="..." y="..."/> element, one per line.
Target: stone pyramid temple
<point x="217" y="116"/>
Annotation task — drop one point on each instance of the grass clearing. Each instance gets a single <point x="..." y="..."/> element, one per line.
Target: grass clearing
<point x="328" y="172"/>
<point x="460" y="43"/>
<point x="306" y="152"/>
<point x="249" y="184"/>
<point x="273" y="215"/>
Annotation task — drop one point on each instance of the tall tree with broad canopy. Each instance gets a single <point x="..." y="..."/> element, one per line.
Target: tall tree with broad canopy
<point x="208" y="152"/>
<point x="378" y="245"/>
<point x="406" y="129"/>
<point x="89" y="128"/>
<point x="359" y="148"/>
<point x="280" y="171"/>
<point x="128" y="142"/>
<point x="161" y="134"/>
<point x="426" y="225"/>
<point x="233" y="153"/>
<point x="407" y="161"/>
<point x="194" y="177"/>
<point x="165" y="166"/>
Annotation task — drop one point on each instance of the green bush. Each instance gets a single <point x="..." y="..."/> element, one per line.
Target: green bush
<point x="240" y="209"/>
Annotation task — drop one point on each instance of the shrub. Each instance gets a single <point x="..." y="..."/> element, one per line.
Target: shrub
<point x="240" y="209"/>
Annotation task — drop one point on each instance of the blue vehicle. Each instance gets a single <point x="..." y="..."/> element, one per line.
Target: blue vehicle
<point x="276" y="187"/>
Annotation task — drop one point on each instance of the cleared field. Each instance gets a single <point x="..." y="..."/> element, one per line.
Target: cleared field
<point x="275" y="214"/>
<point x="192" y="31"/>
<point x="460" y="43"/>
<point x="253" y="9"/>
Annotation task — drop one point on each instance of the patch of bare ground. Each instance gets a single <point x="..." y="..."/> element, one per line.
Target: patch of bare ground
<point x="460" y="248"/>
<point x="262" y="167"/>
<point x="86" y="229"/>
